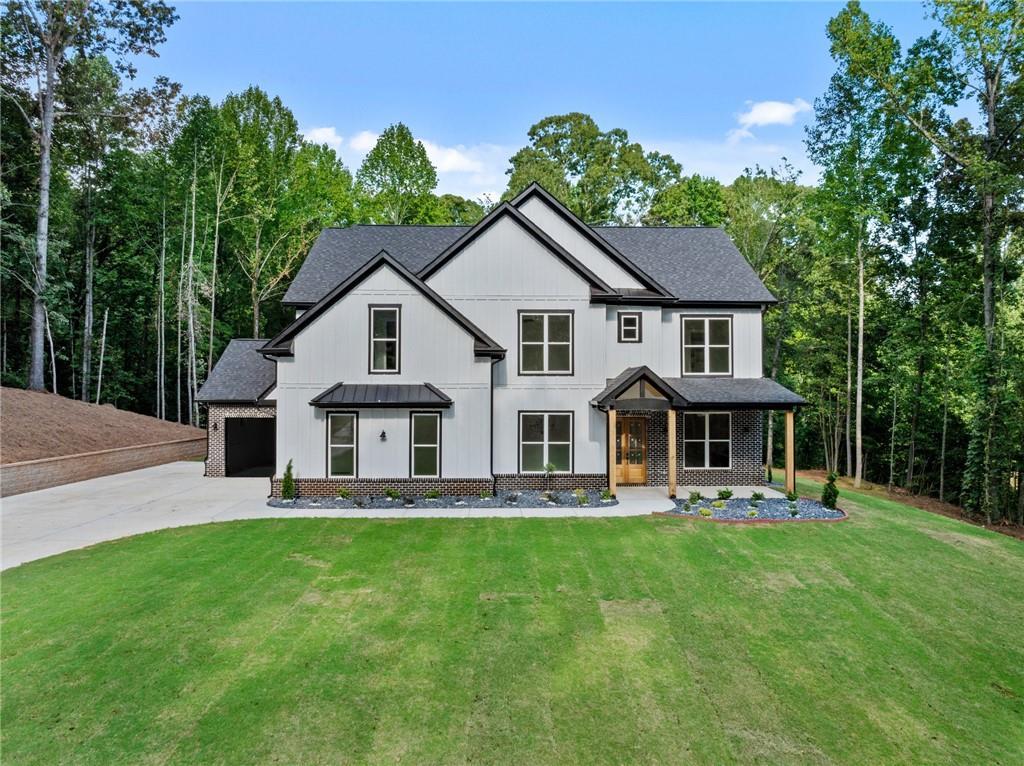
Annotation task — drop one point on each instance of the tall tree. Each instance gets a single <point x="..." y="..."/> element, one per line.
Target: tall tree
<point x="398" y="179"/>
<point x="601" y="176"/>
<point x="37" y="37"/>
<point x="692" y="201"/>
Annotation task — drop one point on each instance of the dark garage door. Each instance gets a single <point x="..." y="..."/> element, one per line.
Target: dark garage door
<point x="249" y="446"/>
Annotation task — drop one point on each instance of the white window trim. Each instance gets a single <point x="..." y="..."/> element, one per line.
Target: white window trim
<point x="706" y="441"/>
<point x="707" y="345"/>
<point x="397" y="339"/>
<point x="436" y="444"/>
<point x="545" y="343"/>
<point x="354" y="445"/>
<point x="636" y="317"/>
<point x="547" y="442"/>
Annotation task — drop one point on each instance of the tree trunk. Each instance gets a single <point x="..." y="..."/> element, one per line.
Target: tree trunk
<point x="859" y="476"/>
<point x="942" y="449"/>
<point x="254" y="297"/>
<point x="190" y="300"/>
<point x="181" y="287"/>
<point x="161" y="409"/>
<point x="892" y="442"/>
<point x="35" y="374"/>
<point x="53" y="354"/>
<point x="103" y="351"/>
<point x="90" y="259"/>
<point x="849" y="390"/>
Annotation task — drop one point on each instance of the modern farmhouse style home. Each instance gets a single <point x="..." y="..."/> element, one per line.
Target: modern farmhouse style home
<point x="528" y="351"/>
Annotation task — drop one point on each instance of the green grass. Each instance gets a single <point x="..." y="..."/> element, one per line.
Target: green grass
<point x="892" y="637"/>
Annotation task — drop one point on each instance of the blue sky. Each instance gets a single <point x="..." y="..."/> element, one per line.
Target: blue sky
<point x="719" y="86"/>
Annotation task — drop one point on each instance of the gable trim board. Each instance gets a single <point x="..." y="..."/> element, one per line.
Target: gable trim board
<point x="280" y="345"/>
<point x="536" y="190"/>
<point x="505" y="210"/>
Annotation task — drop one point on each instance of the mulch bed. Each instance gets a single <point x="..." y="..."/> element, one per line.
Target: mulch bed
<point x="745" y="510"/>
<point x="522" y="499"/>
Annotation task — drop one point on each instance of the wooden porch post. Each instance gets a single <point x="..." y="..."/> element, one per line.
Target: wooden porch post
<point x="611" y="451"/>
<point x="790" y="451"/>
<point x="671" y="453"/>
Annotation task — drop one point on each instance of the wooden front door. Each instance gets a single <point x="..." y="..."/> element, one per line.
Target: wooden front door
<point x="631" y="451"/>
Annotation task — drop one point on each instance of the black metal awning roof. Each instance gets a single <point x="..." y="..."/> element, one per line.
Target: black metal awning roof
<point x="383" y="395"/>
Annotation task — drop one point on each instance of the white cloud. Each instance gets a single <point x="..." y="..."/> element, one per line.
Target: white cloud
<point x="763" y="113"/>
<point x="452" y="159"/>
<point x="363" y="141"/>
<point x="326" y="135"/>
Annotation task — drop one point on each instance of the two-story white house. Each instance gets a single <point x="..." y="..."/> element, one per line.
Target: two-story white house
<point x="528" y="349"/>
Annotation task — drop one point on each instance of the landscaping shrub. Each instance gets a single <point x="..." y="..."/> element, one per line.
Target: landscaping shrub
<point x="791" y="497"/>
<point x="344" y="493"/>
<point x="719" y="504"/>
<point x="705" y="512"/>
<point x="695" y="497"/>
<point x="752" y="513"/>
<point x="391" y="493"/>
<point x="606" y="494"/>
<point x="724" y="494"/>
<point x="830" y="493"/>
<point x="757" y="496"/>
<point x="486" y="494"/>
<point x="288" y="483"/>
<point x="793" y="509"/>
<point x="581" y="496"/>
<point x="432" y="494"/>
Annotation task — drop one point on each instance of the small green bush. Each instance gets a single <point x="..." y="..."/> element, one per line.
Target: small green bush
<point x="344" y="493"/>
<point x="705" y="512"/>
<point x="757" y="496"/>
<point x="792" y="496"/>
<point x="288" y="483"/>
<point x="432" y="494"/>
<point x="581" y="496"/>
<point x="752" y="513"/>
<point x="830" y="493"/>
<point x="724" y="494"/>
<point x="718" y="504"/>
<point x="695" y="497"/>
<point x="606" y="494"/>
<point x="486" y="494"/>
<point x="391" y="493"/>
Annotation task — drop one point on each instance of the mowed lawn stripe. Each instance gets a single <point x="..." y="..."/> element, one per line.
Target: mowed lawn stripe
<point x="890" y="637"/>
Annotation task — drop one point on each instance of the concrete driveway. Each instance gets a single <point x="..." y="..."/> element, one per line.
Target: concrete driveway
<point x="38" y="524"/>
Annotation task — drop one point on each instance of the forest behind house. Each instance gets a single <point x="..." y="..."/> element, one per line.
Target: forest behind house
<point x="143" y="227"/>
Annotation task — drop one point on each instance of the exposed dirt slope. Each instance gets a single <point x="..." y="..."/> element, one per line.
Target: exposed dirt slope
<point x="36" y="425"/>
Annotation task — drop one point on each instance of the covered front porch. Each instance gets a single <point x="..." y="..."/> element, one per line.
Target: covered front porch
<point x="682" y="434"/>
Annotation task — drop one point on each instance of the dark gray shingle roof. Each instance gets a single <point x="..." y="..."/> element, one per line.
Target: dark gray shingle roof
<point x="242" y="374"/>
<point x="694" y="264"/>
<point x="393" y="395"/>
<point x="725" y="392"/>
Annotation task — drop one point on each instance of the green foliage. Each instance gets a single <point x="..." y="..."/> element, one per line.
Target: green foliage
<point x="601" y="176"/>
<point x="432" y="494"/>
<point x="397" y="179"/>
<point x="344" y="493"/>
<point x="391" y="493"/>
<point x="830" y="493"/>
<point x="757" y="496"/>
<point x="792" y="496"/>
<point x="692" y="201"/>
<point x="606" y="494"/>
<point x="706" y="512"/>
<point x="486" y="494"/>
<point x="752" y="513"/>
<point x="724" y="494"/>
<point x="718" y="503"/>
<point x="695" y="497"/>
<point x="288" y="483"/>
<point x="581" y="497"/>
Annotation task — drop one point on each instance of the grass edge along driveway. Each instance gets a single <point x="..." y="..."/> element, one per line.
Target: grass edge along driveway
<point x="893" y="637"/>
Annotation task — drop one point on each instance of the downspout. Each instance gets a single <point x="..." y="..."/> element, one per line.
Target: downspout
<point x="494" y="479"/>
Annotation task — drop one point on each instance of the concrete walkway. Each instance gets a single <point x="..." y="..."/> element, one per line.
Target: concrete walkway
<point x="51" y="521"/>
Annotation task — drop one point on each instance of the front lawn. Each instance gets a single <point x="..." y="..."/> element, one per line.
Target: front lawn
<point x="894" y="636"/>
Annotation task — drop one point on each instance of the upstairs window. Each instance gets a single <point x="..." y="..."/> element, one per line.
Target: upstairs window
<point x="545" y="343"/>
<point x="384" y="338"/>
<point x="707" y="345"/>
<point x="630" y="327"/>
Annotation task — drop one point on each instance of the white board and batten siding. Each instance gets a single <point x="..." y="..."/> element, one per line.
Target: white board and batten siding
<point x="433" y="349"/>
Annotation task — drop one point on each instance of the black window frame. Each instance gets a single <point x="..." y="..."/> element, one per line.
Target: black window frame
<point x="355" y="444"/>
<point x="706" y="441"/>
<point x="639" y="326"/>
<point x="412" y="444"/>
<point x="707" y="345"/>
<point x="546" y="442"/>
<point x="397" y="308"/>
<point x="545" y="343"/>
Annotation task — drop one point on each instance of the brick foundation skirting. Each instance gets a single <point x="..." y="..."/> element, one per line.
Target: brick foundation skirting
<point x="31" y="475"/>
<point x="330" y="487"/>
<point x="560" y="481"/>
<point x="216" y="414"/>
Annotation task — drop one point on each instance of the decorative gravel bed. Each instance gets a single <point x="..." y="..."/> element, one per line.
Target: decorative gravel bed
<point x="745" y="509"/>
<point x="522" y="499"/>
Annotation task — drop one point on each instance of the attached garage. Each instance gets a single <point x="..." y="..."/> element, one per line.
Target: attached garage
<point x="249" y="446"/>
<point x="241" y="412"/>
